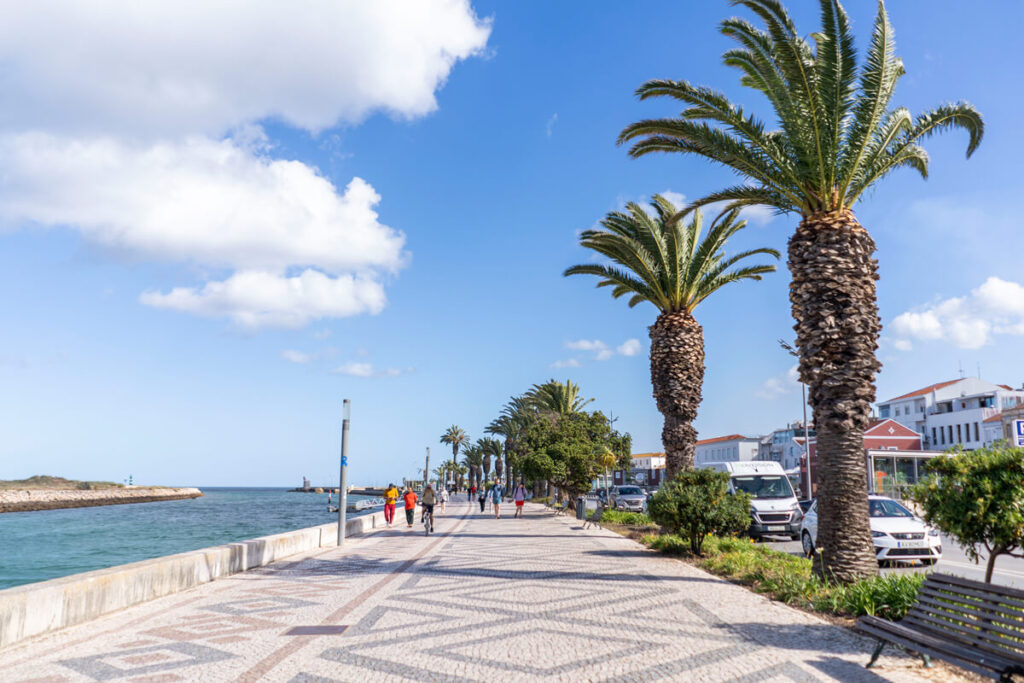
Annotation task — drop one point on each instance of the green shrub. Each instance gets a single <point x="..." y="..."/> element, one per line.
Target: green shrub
<point x="627" y="518"/>
<point x="788" y="578"/>
<point x="698" y="503"/>
<point x="978" y="499"/>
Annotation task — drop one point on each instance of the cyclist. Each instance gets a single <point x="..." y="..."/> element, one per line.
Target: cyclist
<point x="427" y="500"/>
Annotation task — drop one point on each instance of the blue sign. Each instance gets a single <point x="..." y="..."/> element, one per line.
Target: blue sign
<point x="1019" y="424"/>
<point x="344" y="461"/>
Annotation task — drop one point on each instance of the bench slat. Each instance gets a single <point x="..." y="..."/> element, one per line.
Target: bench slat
<point x="989" y="604"/>
<point x="970" y="636"/>
<point x="985" y="621"/>
<point x="1000" y="592"/>
<point x="987" y="596"/>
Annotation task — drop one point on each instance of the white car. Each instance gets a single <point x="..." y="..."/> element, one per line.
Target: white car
<point x="897" y="534"/>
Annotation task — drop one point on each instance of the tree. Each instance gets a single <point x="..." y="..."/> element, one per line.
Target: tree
<point x="455" y="437"/>
<point x="978" y="499"/>
<point x="566" y="449"/>
<point x="508" y="426"/>
<point x="837" y="136"/>
<point x="697" y="503"/>
<point x="607" y="460"/>
<point x="555" y="397"/>
<point x="674" y="267"/>
<point x="473" y="458"/>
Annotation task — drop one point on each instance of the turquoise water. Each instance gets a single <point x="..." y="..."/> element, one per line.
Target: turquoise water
<point x="35" y="546"/>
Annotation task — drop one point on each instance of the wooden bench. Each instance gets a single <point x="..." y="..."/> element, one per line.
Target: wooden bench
<point x="974" y="625"/>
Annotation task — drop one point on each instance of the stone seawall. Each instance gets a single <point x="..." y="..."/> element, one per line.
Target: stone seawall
<point x="36" y="608"/>
<point x="22" y="500"/>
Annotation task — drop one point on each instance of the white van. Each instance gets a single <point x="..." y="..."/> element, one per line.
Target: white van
<point x="774" y="509"/>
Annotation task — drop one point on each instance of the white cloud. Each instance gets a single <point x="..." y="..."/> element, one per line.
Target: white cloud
<point x="117" y="130"/>
<point x="321" y="334"/>
<point x="175" y="68"/>
<point x="356" y="369"/>
<point x="296" y="356"/>
<point x="549" y="128"/>
<point x="630" y="347"/>
<point x="780" y="385"/>
<point x="255" y="299"/>
<point x="968" y="322"/>
<point x="586" y="345"/>
<point x="903" y="345"/>
<point x="570" y="363"/>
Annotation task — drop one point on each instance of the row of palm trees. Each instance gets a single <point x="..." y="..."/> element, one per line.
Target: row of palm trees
<point x="504" y="445"/>
<point x="835" y="135"/>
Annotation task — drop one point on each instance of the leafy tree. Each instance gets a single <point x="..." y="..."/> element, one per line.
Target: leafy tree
<point x="978" y="499"/>
<point x="566" y="449"/>
<point x="455" y="437"/>
<point x="675" y="267"/>
<point x="697" y="503"/>
<point x="837" y="135"/>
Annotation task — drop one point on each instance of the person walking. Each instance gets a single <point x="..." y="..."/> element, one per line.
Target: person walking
<point x="482" y="497"/>
<point x="443" y="498"/>
<point x="427" y="502"/>
<point x="471" y="493"/>
<point x="410" y="505"/>
<point x="496" y="493"/>
<point x="390" y="498"/>
<point x="519" y="496"/>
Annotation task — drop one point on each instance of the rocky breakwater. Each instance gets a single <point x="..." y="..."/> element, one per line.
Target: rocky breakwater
<point x="24" y="500"/>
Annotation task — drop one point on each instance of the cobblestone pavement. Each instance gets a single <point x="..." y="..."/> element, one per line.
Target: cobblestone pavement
<point x="481" y="600"/>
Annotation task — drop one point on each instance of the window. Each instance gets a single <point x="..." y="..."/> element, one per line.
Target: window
<point x="988" y="401"/>
<point x="950" y="433"/>
<point x="976" y="438"/>
<point x="891" y="448"/>
<point x="959" y="438"/>
<point x="883" y="411"/>
<point x="942" y="433"/>
<point x="935" y="439"/>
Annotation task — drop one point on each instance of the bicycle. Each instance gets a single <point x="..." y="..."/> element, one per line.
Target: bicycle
<point x="428" y="520"/>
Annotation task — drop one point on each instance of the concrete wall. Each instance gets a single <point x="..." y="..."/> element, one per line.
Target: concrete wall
<point x="36" y="608"/>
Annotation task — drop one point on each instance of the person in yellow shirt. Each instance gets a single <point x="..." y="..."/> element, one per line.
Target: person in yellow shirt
<point x="390" y="498"/>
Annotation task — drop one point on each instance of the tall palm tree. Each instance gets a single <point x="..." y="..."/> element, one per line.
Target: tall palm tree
<point x="473" y="458"/>
<point x="455" y="437"/>
<point x="837" y="136"/>
<point x="555" y="397"/>
<point x="674" y="266"/>
<point x="510" y="425"/>
<point x="491" y="448"/>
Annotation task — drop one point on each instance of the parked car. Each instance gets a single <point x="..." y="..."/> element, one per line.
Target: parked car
<point x="896" y="532"/>
<point x="629" y="498"/>
<point x="806" y="504"/>
<point x="774" y="510"/>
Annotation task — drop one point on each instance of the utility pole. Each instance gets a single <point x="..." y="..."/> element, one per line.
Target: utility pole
<point x="426" y="470"/>
<point x="343" y="483"/>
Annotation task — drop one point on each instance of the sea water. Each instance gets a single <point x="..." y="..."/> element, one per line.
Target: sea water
<point x="45" y="544"/>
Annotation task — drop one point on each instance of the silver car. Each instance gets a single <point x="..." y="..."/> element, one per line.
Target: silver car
<point x="629" y="498"/>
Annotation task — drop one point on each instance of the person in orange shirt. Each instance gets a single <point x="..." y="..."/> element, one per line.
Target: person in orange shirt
<point x="410" y="505"/>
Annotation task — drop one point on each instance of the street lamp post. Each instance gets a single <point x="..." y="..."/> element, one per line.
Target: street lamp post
<point x="343" y="483"/>
<point x="807" y="441"/>
<point x="426" y="470"/>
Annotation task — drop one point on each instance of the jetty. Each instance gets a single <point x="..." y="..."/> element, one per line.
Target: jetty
<point x="27" y="500"/>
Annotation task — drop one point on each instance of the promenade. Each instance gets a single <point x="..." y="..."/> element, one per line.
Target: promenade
<point x="481" y="600"/>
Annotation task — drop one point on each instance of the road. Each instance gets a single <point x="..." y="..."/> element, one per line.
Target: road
<point x="1009" y="570"/>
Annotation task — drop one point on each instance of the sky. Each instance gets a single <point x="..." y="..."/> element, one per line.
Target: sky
<point x="219" y="221"/>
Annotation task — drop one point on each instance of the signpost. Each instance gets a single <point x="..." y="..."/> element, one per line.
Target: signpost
<point x="1018" y="433"/>
<point x="343" y="486"/>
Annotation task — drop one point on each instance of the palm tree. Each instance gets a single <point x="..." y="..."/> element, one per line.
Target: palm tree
<point x="555" y="397"/>
<point x="455" y="437"/>
<point x="837" y="136"/>
<point x="473" y="458"/>
<point x="491" y="447"/>
<point x="675" y="267"/>
<point x="509" y="425"/>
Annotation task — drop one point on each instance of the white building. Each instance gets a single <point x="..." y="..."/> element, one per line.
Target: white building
<point x="726" y="449"/>
<point x="785" y="446"/>
<point x="952" y="413"/>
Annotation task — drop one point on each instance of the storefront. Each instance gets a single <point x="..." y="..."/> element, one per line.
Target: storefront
<point x="891" y="472"/>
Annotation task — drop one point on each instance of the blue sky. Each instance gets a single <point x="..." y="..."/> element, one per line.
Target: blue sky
<point x="193" y="280"/>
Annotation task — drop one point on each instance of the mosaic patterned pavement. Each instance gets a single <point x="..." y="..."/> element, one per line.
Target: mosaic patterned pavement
<point x="480" y="600"/>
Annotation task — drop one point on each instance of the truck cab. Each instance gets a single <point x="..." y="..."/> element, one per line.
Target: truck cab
<point x="774" y="508"/>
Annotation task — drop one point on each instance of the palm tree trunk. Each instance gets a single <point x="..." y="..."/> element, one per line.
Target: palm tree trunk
<point x="677" y="375"/>
<point x="837" y="325"/>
